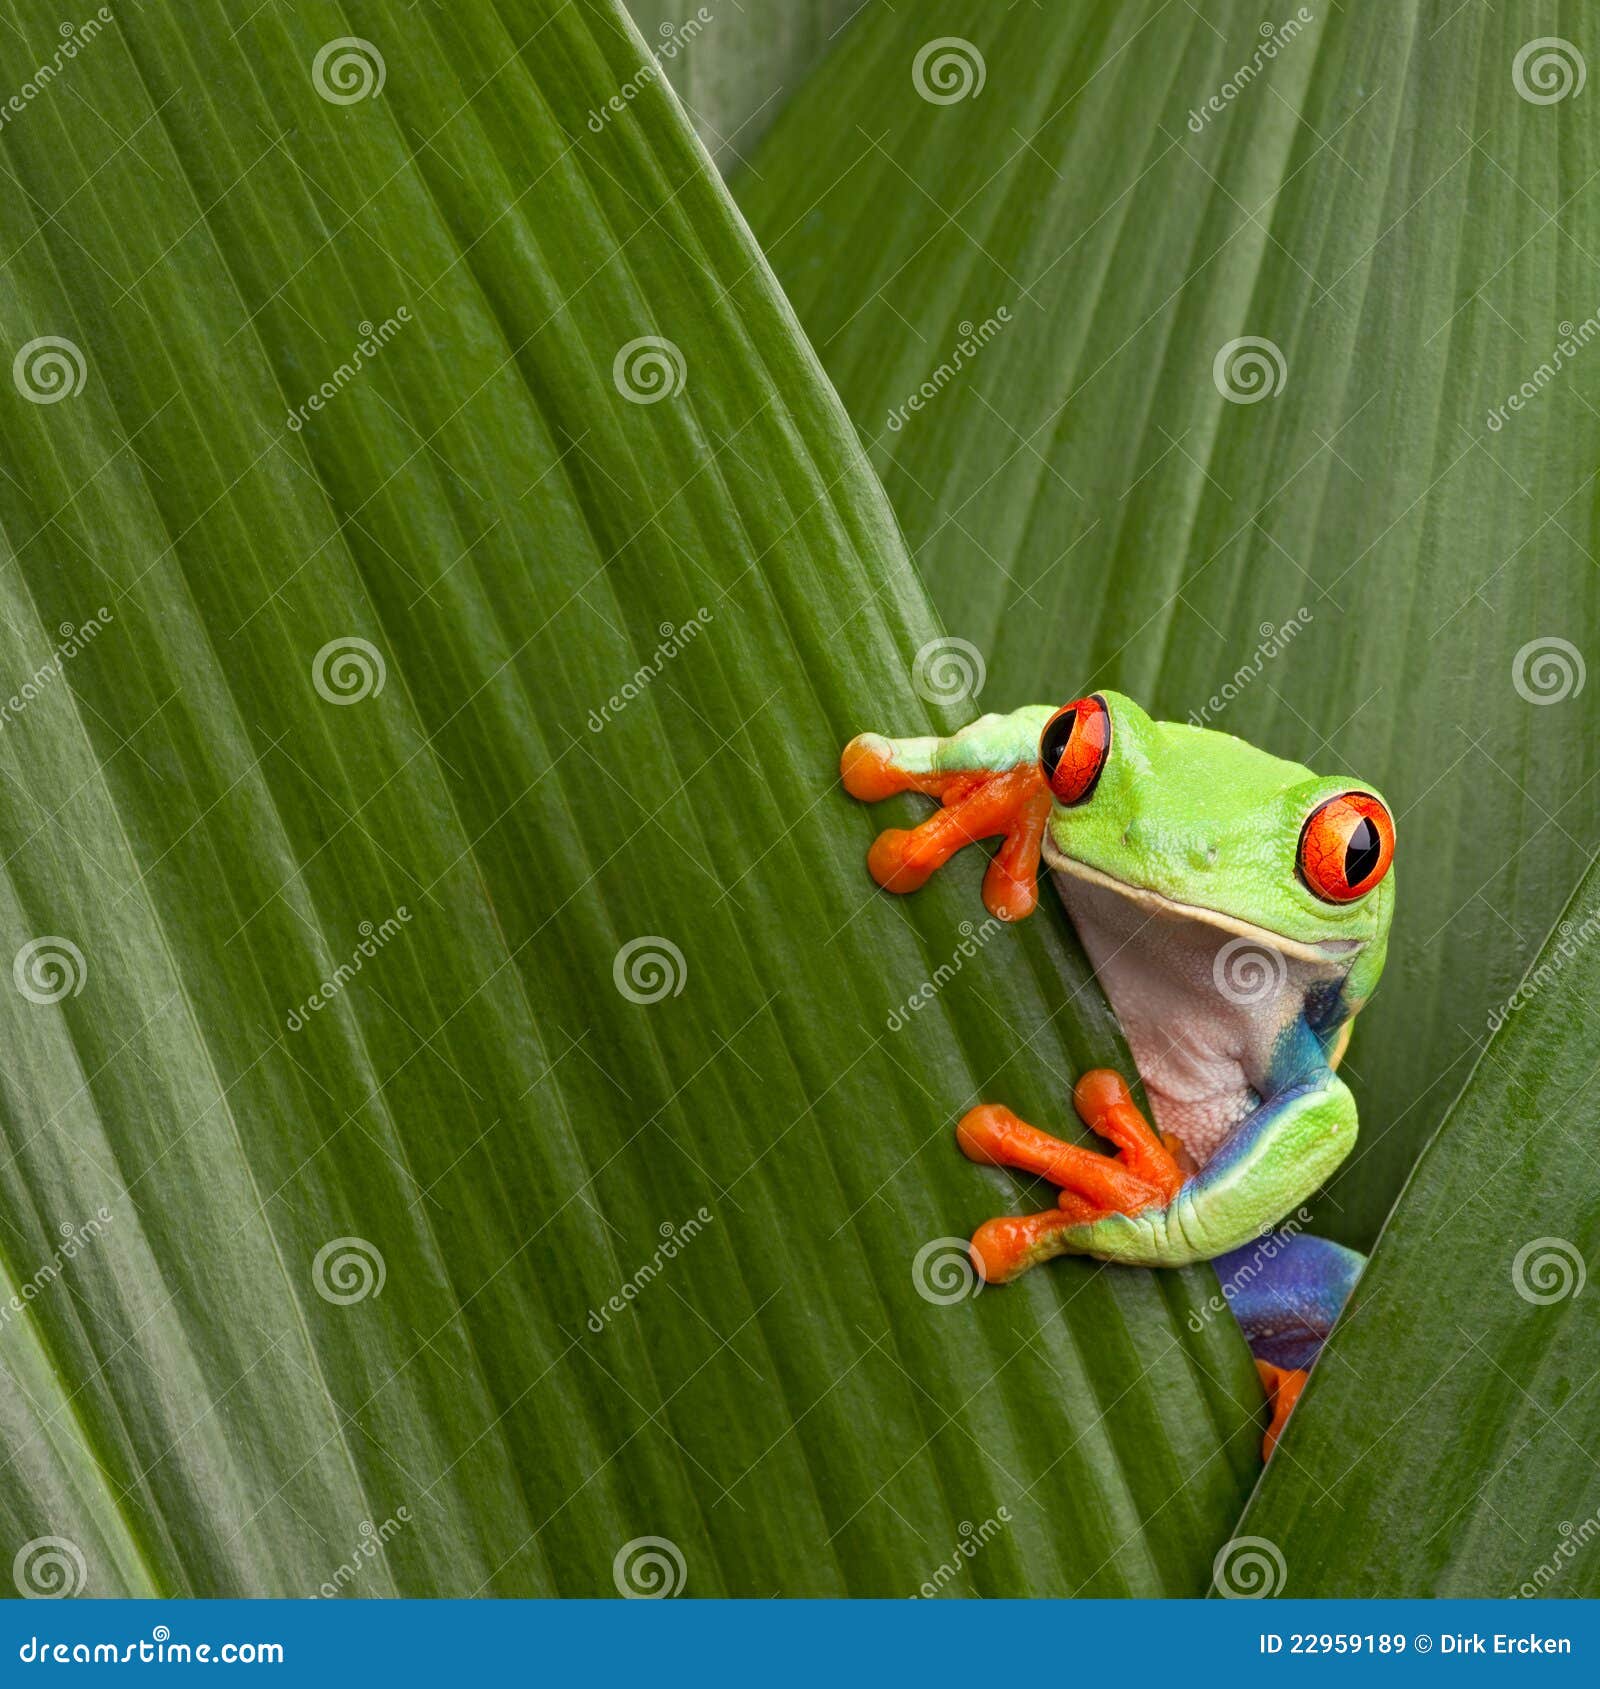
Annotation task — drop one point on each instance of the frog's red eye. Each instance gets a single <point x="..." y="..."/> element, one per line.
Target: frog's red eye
<point x="1346" y="847"/>
<point x="1072" y="749"/>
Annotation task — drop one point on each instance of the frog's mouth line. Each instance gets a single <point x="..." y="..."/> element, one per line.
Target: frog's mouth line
<point x="1329" y="950"/>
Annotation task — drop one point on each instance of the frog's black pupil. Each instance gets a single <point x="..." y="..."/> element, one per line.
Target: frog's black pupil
<point x="1057" y="736"/>
<point x="1361" y="852"/>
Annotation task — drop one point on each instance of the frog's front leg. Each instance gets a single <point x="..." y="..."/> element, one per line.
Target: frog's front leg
<point x="986" y="777"/>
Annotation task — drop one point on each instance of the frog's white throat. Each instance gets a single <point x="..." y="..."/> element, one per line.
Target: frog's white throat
<point x="1203" y="999"/>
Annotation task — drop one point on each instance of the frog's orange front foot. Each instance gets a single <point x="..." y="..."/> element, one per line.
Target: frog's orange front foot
<point x="1142" y="1174"/>
<point x="1010" y="803"/>
<point x="1283" y="1386"/>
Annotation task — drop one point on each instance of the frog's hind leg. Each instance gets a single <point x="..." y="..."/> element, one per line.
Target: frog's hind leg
<point x="1286" y="1292"/>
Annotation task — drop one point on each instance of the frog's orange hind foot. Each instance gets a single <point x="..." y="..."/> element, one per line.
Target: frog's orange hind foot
<point x="1012" y="804"/>
<point x="1003" y="1249"/>
<point x="1283" y="1386"/>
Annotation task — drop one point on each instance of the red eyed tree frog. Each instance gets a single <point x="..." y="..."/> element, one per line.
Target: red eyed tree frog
<point x="1235" y="908"/>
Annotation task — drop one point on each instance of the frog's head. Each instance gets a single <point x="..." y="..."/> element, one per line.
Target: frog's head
<point x="1185" y="820"/>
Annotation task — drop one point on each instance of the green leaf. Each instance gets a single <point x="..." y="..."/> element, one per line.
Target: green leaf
<point x="1444" y="1446"/>
<point x="345" y="826"/>
<point x="1377" y="567"/>
<point x="733" y="68"/>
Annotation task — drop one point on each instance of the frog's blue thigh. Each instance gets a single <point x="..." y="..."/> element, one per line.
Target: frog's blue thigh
<point x="1286" y="1292"/>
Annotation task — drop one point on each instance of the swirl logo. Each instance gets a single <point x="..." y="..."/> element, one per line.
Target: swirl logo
<point x="649" y="1569"/>
<point x="47" y="969"/>
<point x="49" y="1569"/>
<point x="948" y="70"/>
<point x="1548" y="1270"/>
<point x="1548" y="670"/>
<point x="1249" y="369"/>
<point x="943" y="1272"/>
<point x="1546" y="70"/>
<point x="48" y="370"/>
<point x="347" y="670"/>
<point x="1249" y="1569"/>
<point x="348" y="70"/>
<point x="945" y="671"/>
<point x="1246" y="972"/>
<point x="647" y="969"/>
<point x="349" y="1269"/>
<point x="648" y="370"/>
